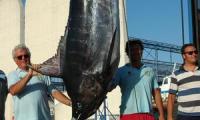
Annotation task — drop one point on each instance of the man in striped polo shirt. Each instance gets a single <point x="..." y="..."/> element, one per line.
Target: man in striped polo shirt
<point x="185" y="85"/>
<point x="3" y="94"/>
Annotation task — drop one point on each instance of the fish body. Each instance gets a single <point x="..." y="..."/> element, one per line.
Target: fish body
<point x="88" y="54"/>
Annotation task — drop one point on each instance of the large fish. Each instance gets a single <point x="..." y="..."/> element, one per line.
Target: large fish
<point x="88" y="54"/>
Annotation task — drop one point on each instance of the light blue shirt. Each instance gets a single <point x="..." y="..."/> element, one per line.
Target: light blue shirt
<point x="136" y="88"/>
<point x="32" y="102"/>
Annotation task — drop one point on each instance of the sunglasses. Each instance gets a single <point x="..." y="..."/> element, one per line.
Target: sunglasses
<point x="23" y="56"/>
<point x="191" y="52"/>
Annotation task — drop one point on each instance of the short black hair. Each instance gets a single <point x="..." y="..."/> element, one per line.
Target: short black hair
<point x="130" y="43"/>
<point x="185" y="46"/>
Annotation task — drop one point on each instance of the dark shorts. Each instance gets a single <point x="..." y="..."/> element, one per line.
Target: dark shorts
<point x="183" y="117"/>
<point x="3" y="95"/>
<point x="137" y="116"/>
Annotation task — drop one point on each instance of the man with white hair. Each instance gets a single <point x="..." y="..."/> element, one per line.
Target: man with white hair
<point x="30" y="89"/>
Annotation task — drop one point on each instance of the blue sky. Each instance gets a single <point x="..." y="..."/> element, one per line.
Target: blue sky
<point x="24" y="1"/>
<point x="158" y="20"/>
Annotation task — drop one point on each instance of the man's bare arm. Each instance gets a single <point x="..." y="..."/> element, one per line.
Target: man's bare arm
<point x="61" y="98"/>
<point x="21" y="84"/>
<point x="159" y="103"/>
<point x="170" y="106"/>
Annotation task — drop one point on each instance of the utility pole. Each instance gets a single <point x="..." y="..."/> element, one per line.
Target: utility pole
<point x="182" y="22"/>
<point x="195" y="24"/>
<point x="22" y="21"/>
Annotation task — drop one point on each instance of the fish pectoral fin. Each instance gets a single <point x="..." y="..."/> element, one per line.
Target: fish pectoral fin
<point x="113" y="55"/>
<point x="51" y="67"/>
<point x="50" y="70"/>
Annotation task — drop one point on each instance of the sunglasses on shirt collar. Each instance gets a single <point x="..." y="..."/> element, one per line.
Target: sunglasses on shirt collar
<point x="191" y="52"/>
<point x="23" y="56"/>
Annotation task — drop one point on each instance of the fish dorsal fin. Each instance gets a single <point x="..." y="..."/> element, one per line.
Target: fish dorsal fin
<point x="54" y="65"/>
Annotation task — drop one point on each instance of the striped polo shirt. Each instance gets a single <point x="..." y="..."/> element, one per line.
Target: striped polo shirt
<point x="186" y="85"/>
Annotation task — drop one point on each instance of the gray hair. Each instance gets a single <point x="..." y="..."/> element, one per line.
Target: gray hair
<point x="20" y="46"/>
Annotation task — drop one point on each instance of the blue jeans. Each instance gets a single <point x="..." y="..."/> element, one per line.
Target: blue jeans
<point x="183" y="117"/>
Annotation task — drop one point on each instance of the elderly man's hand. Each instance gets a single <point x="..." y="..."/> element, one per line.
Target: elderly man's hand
<point x="34" y="68"/>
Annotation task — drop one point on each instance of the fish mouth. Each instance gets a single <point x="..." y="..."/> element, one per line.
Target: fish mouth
<point x="81" y="111"/>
